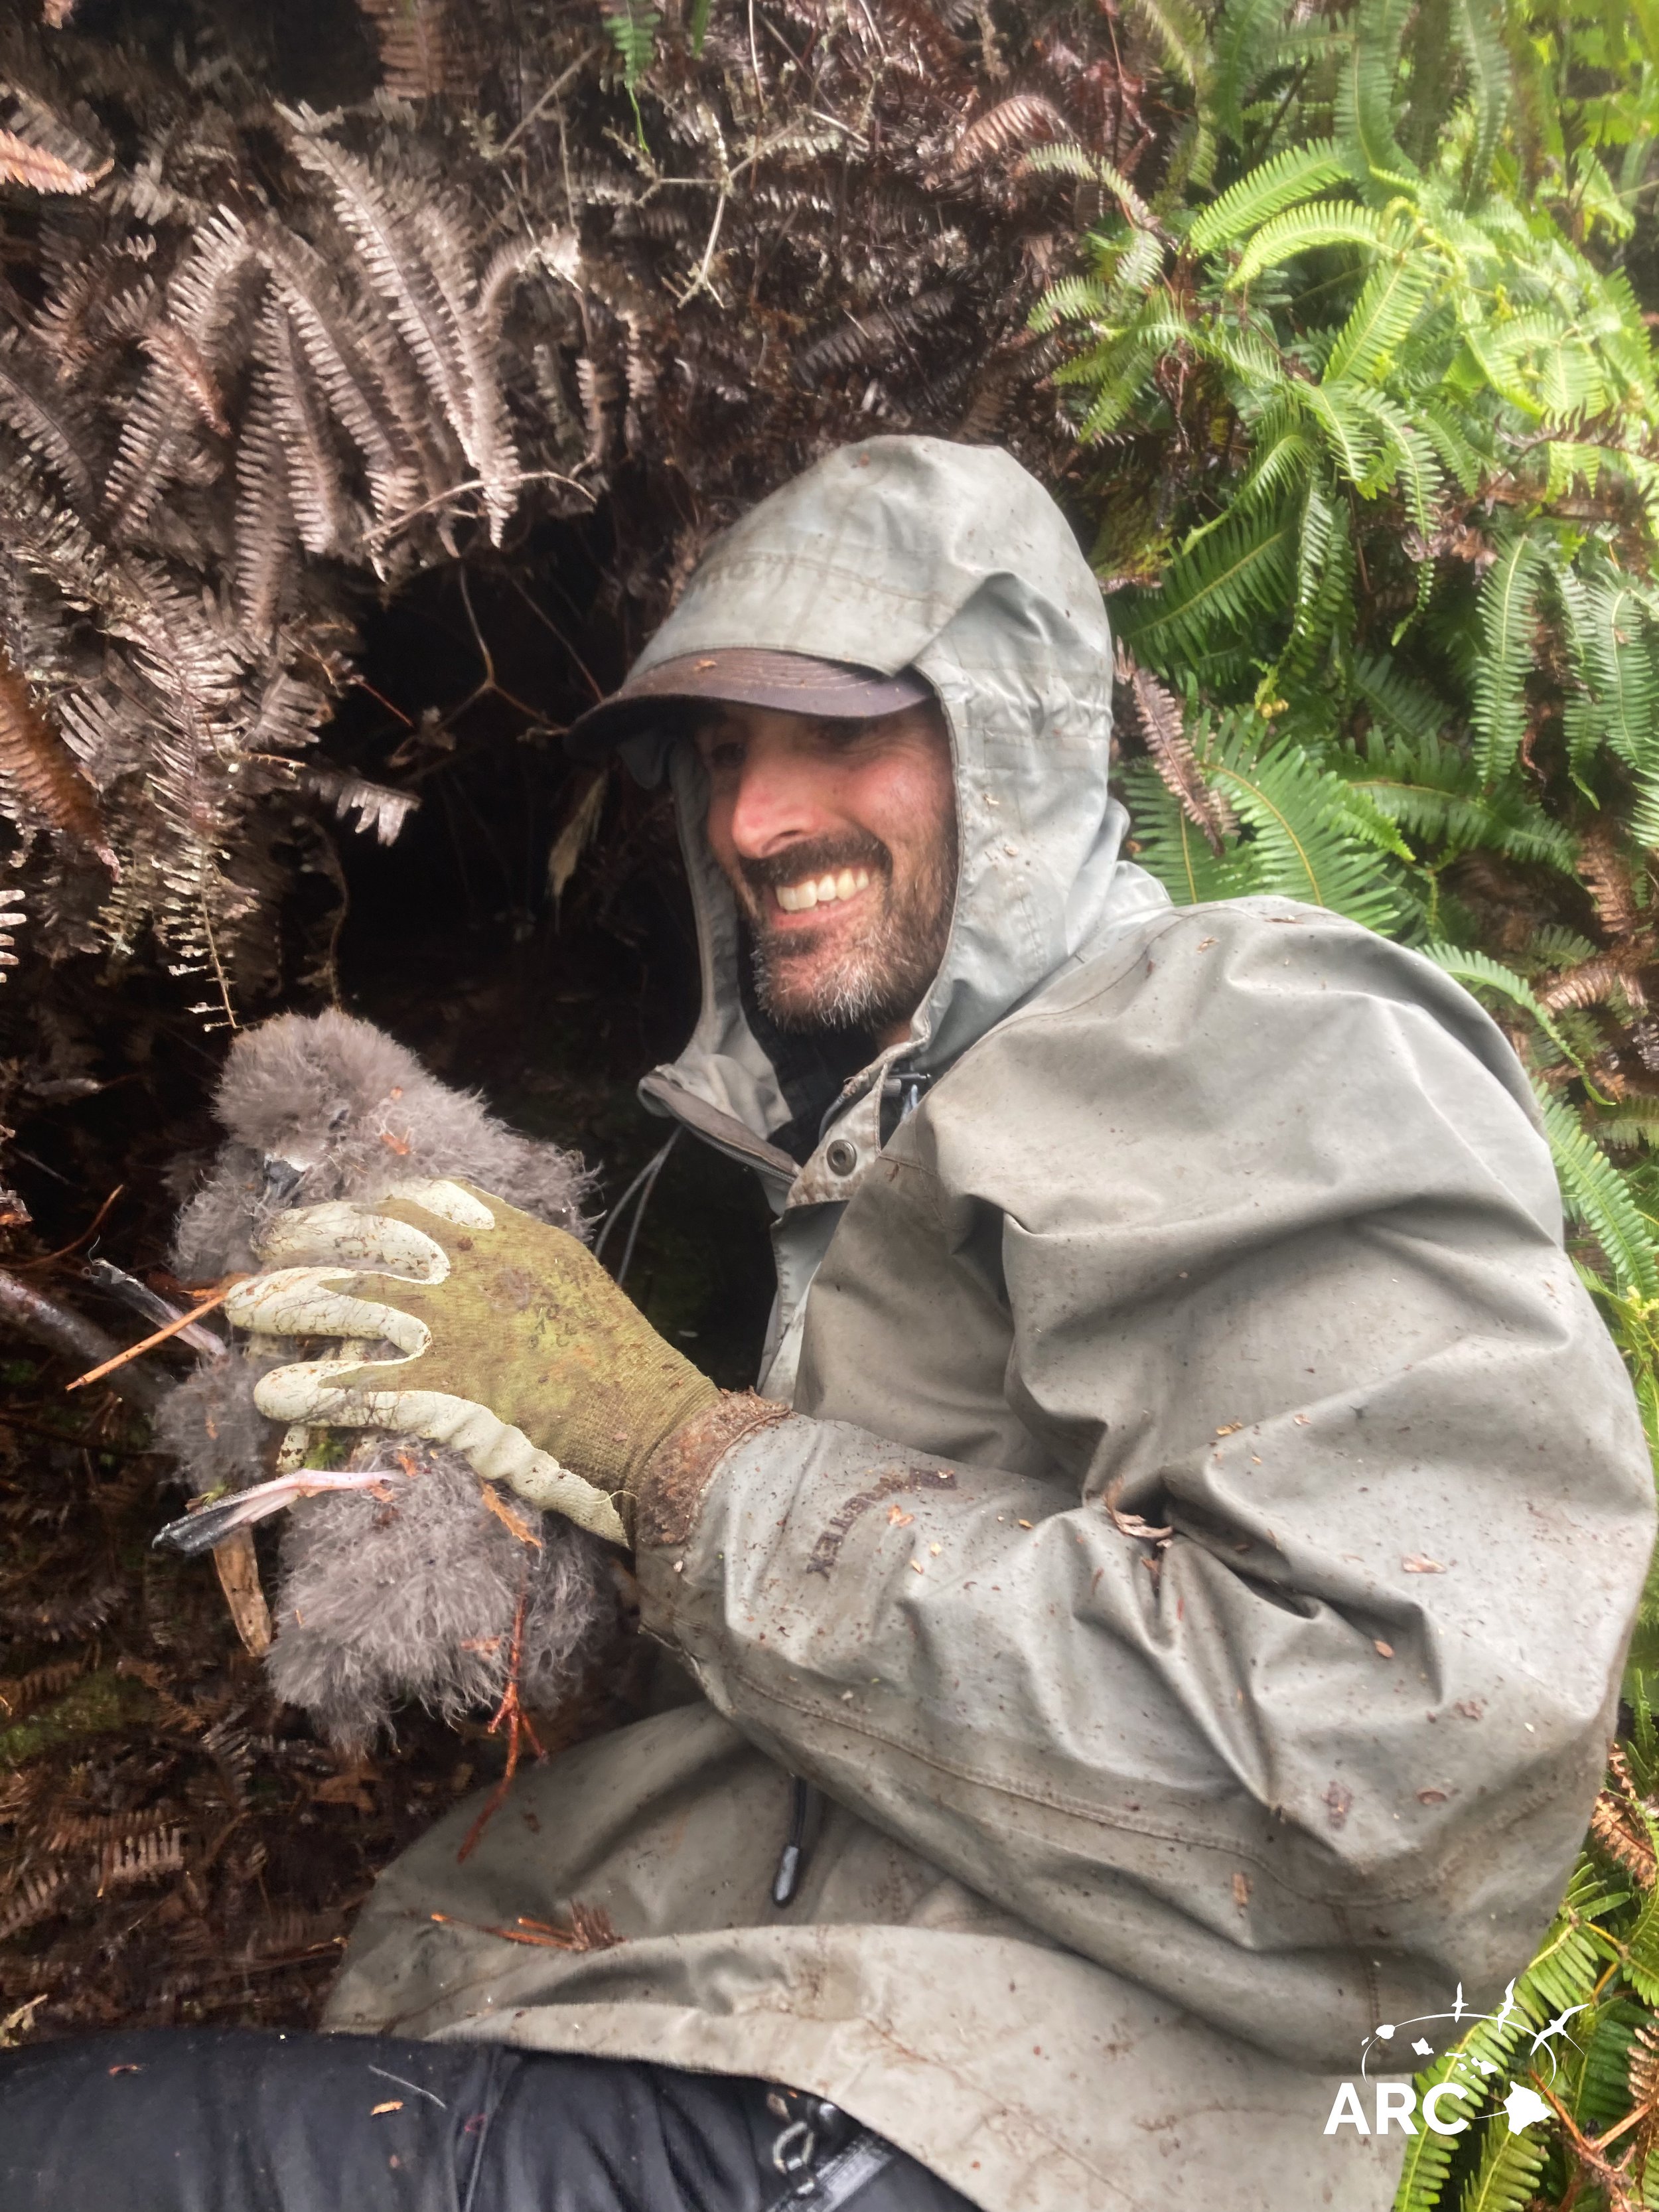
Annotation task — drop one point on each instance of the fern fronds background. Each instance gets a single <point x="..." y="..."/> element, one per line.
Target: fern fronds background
<point x="1373" y="406"/>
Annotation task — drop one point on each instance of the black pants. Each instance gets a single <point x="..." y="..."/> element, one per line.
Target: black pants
<point x="226" y="2120"/>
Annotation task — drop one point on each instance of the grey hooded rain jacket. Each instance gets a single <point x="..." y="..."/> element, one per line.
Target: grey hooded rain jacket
<point x="1230" y="1222"/>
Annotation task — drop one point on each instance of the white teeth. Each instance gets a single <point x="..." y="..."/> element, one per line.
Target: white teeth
<point x="801" y="899"/>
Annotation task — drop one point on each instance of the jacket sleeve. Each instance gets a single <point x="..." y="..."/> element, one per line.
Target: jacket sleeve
<point x="1275" y="1248"/>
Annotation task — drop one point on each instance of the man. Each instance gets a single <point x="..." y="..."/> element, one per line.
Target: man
<point x="1160" y="1616"/>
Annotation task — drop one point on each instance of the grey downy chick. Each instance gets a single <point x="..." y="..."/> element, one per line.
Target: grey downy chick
<point x="403" y="1578"/>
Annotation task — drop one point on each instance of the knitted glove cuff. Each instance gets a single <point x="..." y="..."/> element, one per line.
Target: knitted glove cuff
<point x="670" y="1486"/>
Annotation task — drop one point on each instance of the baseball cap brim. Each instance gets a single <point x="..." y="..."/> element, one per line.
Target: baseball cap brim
<point x="744" y="675"/>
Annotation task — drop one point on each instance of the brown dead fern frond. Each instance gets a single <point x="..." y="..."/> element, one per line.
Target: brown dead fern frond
<point x="175" y="351"/>
<point x="18" y="1693"/>
<point x="40" y="771"/>
<point x="1607" y="875"/>
<point x="145" y="1856"/>
<point x="1157" y="711"/>
<point x="1022" y="119"/>
<point x="70" y="1831"/>
<point x="23" y="164"/>
<point x="1593" y="983"/>
<point x="1615" y="1832"/>
<point x="34" y="1896"/>
<point x="423" y="48"/>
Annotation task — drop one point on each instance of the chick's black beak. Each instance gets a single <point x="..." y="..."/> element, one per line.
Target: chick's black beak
<point x="282" y="1178"/>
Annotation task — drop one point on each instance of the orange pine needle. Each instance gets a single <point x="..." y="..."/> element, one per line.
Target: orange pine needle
<point x="215" y="1298"/>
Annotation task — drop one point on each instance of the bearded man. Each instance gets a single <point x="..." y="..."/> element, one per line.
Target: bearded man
<point x="1156" y="1623"/>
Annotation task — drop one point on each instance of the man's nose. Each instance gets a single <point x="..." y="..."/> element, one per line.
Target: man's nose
<point x="779" y="801"/>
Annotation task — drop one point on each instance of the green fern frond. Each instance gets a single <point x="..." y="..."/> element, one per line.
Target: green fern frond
<point x="1598" y="1198"/>
<point x="1429" y="2155"/>
<point x="1367" y="78"/>
<point x="1478" y="29"/>
<point x="1170" y="847"/>
<point x="1180" y="31"/>
<point x="1306" y="842"/>
<point x="1266" y="192"/>
<point x="1435" y="794"/>
<point x="1556" y="945"/>
<point x="1450" y="440"/>
<point x="1280" y="468"/>
<point x="1352" y="433"/>
<point x="1617" y="656"/>
<point x="1389" y="304"/>
<point x="1242" y="573"/>
<point x="1473" y="969"/>
<point x="1068" y="159"/>
<point x="1400" y="699"/>
<point x="1117" y="391"/>
<point x="1138" y="267"/>
<point x="1246" y="39"/>
<point x="1508" y="599"/>
<point x="1073" y="299"/>
<point x="633" y="31"/>
<point x="1507" y="2175"/>
<point x="1319" y="222"/>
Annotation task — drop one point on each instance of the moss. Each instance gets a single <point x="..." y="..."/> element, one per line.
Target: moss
<point x="95" y="1705"/>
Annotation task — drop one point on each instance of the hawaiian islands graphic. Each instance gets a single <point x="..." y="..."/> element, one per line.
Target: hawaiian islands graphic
<point x="1523" y="2106"/>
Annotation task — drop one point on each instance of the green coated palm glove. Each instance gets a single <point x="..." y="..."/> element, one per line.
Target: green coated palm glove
<point x="513" y="1346"/>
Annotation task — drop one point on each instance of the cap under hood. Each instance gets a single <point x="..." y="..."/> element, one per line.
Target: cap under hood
<point x="915" y="553"/>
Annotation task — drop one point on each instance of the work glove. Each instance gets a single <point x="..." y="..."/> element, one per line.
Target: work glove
<point x="513" y="1346"/>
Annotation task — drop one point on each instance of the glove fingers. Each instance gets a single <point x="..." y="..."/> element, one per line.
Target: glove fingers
<point x="309" y="1302"/>
<point x="453" y="1202"/>
<point x="311" y="1392"/>
<point x="344" y="1393"/>
<point x="357" y="1237"/>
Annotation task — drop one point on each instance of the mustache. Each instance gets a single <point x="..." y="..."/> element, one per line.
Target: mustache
<point x="818" y="856"/>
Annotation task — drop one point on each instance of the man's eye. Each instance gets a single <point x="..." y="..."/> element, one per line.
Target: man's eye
<point x="723" y="753"/>
<point x="843" y="737"/>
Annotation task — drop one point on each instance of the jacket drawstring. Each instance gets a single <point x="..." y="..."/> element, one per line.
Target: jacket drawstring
<point x="792" y="1860"/>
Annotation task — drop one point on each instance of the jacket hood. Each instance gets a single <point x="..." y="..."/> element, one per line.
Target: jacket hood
<point x="905" y="552"/>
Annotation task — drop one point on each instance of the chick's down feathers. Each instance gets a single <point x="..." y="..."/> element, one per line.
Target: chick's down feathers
<point x="410" y="1588"/>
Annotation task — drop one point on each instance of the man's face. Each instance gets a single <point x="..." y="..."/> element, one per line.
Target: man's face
<point x="839" y="840"/>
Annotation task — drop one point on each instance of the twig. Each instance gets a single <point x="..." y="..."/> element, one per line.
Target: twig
<point x="386" y="530"/>
<point x="142" y="1300"/>
<point x="173" y="1328"/>
<point x="74" y="1243"/>
<point x="549" y="98"/>
<point x="700" y="282"/>
<point x="510" y="1711"/>
<point x="59" y="1328"/>
<point x="590" y="1930"/>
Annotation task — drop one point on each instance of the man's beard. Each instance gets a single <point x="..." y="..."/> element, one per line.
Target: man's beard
<point x="880" y="975"/>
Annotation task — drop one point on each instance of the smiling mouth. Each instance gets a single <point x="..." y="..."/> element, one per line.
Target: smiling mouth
<point x="821" y="890"/>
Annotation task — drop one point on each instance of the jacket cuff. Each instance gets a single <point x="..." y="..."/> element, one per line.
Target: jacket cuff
<point x="675" y="1478"/>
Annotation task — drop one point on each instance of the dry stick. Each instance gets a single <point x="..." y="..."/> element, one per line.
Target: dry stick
<point x="59" y="1328"/>
<point x="510" y="1710"/>
<point x="74" y="1243"/>
<point x="204" y="1305"/>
